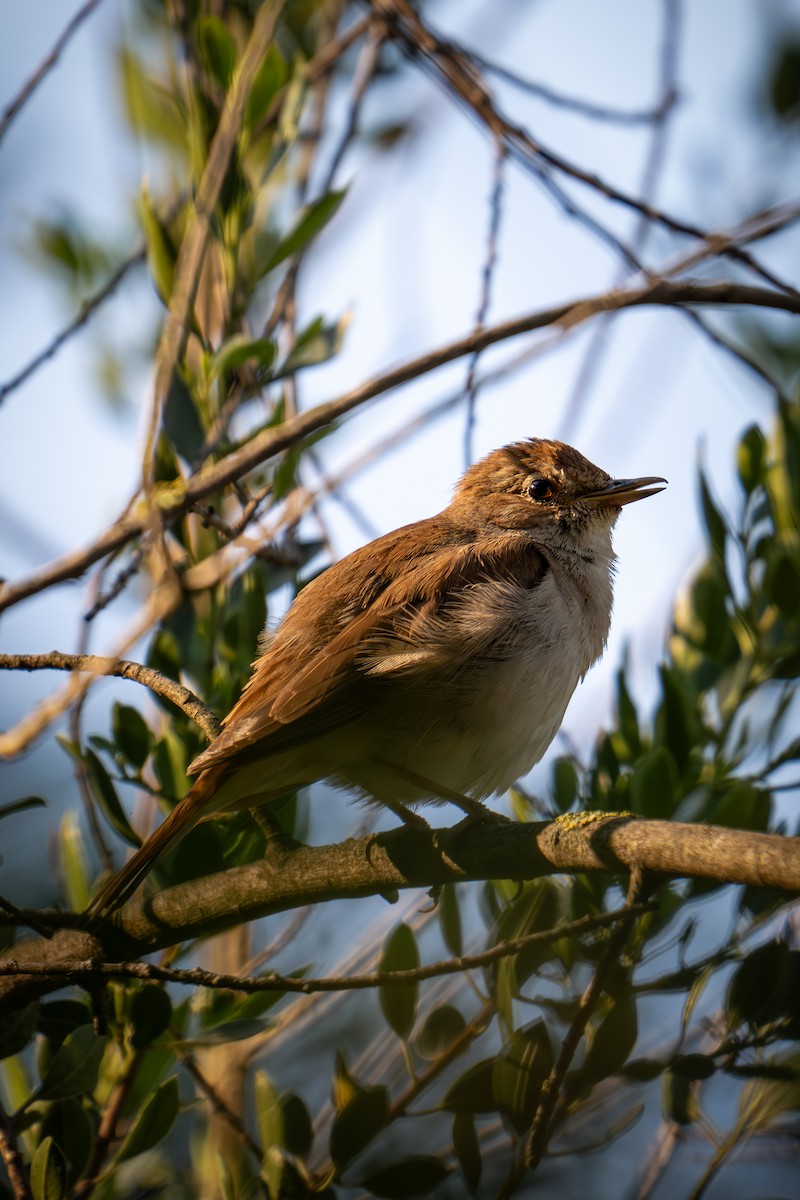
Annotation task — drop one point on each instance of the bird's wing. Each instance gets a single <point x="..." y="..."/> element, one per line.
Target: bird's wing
<point x="354" y="627"/>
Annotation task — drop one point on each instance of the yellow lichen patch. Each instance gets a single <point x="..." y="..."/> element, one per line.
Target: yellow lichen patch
<point x="578" y="820"/>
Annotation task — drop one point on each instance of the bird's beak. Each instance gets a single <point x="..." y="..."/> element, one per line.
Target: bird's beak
<point x="624" y="491"/>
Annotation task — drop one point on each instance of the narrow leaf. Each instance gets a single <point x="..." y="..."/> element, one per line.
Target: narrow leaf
<point x="399" y="1001"/>
<point x="154" y="1121"/>
<point x="312" y="219"/>
<point x="108" y="801"/>
<point x="74" y="1066"/>
<point x="48" y="1172"/>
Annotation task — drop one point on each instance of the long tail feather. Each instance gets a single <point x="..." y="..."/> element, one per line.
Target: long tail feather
<point x="180" y="821"/>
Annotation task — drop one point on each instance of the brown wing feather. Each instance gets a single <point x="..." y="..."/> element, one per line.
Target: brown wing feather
<point x="339" y="623"/>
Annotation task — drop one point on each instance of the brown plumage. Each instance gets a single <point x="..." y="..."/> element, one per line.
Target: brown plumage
<point x="435" y="662"/>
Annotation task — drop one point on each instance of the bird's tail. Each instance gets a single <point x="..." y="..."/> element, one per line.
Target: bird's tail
<point x="180" y="821"/>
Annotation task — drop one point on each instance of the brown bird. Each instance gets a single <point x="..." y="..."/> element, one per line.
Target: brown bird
<point x="435" y="663"/>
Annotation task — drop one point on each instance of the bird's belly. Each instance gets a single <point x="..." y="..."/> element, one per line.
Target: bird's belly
<point x="475" y="742"/>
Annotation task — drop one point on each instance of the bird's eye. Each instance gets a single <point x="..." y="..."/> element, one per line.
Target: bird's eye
<point x="540" y="489"/>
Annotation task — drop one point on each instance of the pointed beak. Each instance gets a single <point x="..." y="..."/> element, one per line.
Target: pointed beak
<point x="624" y="491"/>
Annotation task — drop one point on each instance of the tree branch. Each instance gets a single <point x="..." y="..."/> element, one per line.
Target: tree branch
<point x="271" y="442"/>
<point x="297" y="875"/>
<point x="97" y="664"/>
<point x="76" y="972"/>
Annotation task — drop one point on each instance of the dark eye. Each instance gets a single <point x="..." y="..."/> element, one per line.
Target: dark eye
<point x="540" y="489"/>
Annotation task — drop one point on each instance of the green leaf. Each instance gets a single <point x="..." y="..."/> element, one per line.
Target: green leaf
<point x="519" y="1072"/>
<point x="613" y="1040"/>
<point x="154" y="1121"/>
<point x="467" y="1150"/>
<point x="229" y="1031"/>
<point x="58" y="1018"/>
<point x="161" y="255"/>
<point x="439" y="1030"/>
<point x="298" y="1129"/>
<point x="18" y="806"/>
<point x="74" y="865"/>
<point x="565" y="784"/>
<point x="151" y="1013"/>
<point x="751" y="457"/>
<point x="70" y="1127"/>
<point x="472" y="1092"/>
<point x="240" y="349"/>
<point x="131" y="733"/>
<point x="107" y="799"/>
<point x="17" y="1028"/>
<point x="399" y="1001"/>
<point x="181" y="420"/>
<point x="361" y="1120"/>
<point x="152" y="109"/>
<point x="312" y="219"/>
<point x="74" y="1066"/>
<point x="757" y="992"/>
<point x="714" y="522"/>
<point x="217" y="49"/>
<point x="48" y="1172"/>
<point x="450" y="919"/>
<point x="343" y="1086"/>
<point x="654" y="785"/>
<point x="417" y="1175"/>
<point x="270" y="77"/>
<point x="316" y="344"/>
<point x="269" y="1112"/>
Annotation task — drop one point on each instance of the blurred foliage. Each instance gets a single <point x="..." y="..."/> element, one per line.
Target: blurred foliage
<point x="468" y="1055"/>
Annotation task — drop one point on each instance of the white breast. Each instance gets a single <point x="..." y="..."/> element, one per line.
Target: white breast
<point x="492" y="719"/>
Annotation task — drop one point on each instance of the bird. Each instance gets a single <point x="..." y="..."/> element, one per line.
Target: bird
<point x="433" y="664"/>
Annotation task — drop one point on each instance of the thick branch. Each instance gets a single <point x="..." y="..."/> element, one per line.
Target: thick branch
<point x="295" y="876"/>
<point x="271" y="442"/>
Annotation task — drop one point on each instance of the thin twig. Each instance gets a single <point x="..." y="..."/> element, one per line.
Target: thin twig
<point x="96" y="664"/>
<point x="551" y="1088"/>
<point x="10" y="1153"/>
<point x="47" y="64"/>
<point x="490" y="261"/>
<point x="272" y="982"/>
<point x="599" y="342"/>
<point x="107" y="1130"/>
<point x="23" y="918"/>
<point x="216" y="1101"/>
<point x="584" y="108"/>
<point x="87" y="309"/>
<point x="460" y="76"/>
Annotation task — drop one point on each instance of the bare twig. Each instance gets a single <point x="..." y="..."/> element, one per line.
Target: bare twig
<point x="107" y="1129"/>
<point x="47" y="64"/>
<point x="272" y="982"/>
<point x="23" y="918"/>
<point x="460" y="77"/>
<point x="584" y="108"/>
<point x="10" y="1153"/>
<point x="598" y="345"/>
<point x="495" y="210"/>
<point x="98" y="665"/>
<point x="87" y="309"/>
<point x="216" y="1101"/>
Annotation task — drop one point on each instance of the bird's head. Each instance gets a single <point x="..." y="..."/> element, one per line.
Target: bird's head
<point x="550" y="489"/>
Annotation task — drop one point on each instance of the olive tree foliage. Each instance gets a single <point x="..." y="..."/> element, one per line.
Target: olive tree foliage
<point x="502" y="1026"/>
